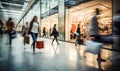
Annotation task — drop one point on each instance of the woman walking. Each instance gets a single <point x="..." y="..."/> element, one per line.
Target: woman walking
<point x="34" y="30"/>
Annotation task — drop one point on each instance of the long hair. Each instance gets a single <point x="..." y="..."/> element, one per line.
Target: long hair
<point x="31" y="23"/>
<point x="33" y="19"/>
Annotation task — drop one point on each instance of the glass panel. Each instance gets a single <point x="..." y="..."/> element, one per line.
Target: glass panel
<point x="61" y="19"/>
<point x="49" y="15"/>
<point x="20" y="26"/>
<point x="81" y="11"/>
<point x="35" y="10"/>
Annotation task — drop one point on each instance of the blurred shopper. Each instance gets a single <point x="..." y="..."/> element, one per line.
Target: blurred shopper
<point x="10" y="26"/>
<point x="34" y="30"/>
<point x="93" y="32"/>
<point x="44" y="32"/>
<point x="116" y="36"/>
<point x="77" y="35"/>
<point x="1" y="27"/>
<point x="55" y="33"/>
<point x="94" y="35"/>
<point x="112" y="39"/>
<point x="25" y="29"/>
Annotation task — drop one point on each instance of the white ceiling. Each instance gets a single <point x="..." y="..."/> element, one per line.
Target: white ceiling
<point x="13" y="9"/>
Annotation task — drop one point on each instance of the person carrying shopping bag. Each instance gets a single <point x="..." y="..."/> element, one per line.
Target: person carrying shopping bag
<point x="95" y="38"/>
<point x="113" y="39"/>
<point x="10" y="26"/>
<point x="34" y="31"/>
<point x="24" y="34"/>
<point x="78" y="36"/>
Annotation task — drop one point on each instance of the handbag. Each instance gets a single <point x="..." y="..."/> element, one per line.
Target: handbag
<point x="93" y="47"/>
<point x="27" y="39"/>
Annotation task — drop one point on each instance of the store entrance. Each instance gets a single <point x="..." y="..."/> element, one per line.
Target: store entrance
<point x="82" y="16"/>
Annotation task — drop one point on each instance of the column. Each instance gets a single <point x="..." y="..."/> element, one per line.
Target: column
<point x="61" y="18"/>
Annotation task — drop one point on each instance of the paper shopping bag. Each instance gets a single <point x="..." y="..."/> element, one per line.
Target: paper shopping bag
<point x="40" y="44"/>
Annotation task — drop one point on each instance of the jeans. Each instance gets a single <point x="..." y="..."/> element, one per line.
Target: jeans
<point x="10" y="38"/>
<point x="34" y="37"/>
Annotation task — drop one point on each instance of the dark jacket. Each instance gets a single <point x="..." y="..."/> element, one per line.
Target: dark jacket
<point x="10" y="26"/>
<point x="55" y="32"/>
<point x="78" y="30"/>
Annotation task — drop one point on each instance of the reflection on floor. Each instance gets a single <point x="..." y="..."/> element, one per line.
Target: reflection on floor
<point x="63" y="57"/>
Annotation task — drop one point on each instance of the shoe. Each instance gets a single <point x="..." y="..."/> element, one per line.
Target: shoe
<point x="100" y="59"/>
<point x="58" y="43"/>
<point x="33" y="52"/>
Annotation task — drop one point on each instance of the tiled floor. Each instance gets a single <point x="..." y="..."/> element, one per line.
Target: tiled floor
<point x="63" y="57"/>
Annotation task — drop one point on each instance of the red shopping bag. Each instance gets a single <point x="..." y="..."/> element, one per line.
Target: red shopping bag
<point x="40" y="44"/>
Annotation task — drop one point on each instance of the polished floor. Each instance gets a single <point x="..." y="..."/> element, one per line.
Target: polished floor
<point x="63" y="57"/>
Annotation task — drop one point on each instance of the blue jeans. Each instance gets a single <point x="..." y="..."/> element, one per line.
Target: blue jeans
<point x="10" y="38"/>
<point x="34" y="37"/>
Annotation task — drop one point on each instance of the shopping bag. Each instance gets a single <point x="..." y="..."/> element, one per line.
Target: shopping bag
<point x="39" y="44"/>
<point x="27" y="39"/>
<point x="77" y="34"/>
<point x="13" y="34"/>
<point x="93" y="47"/>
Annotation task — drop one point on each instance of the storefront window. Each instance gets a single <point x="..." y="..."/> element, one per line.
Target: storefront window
<point x="81" y="13"/>
<point x="49" y="15"/>
<point x="67" y="14"/>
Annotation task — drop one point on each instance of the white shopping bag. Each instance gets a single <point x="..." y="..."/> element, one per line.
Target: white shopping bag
<point x="77" y="34"/>
<point x="93" y="47"/>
